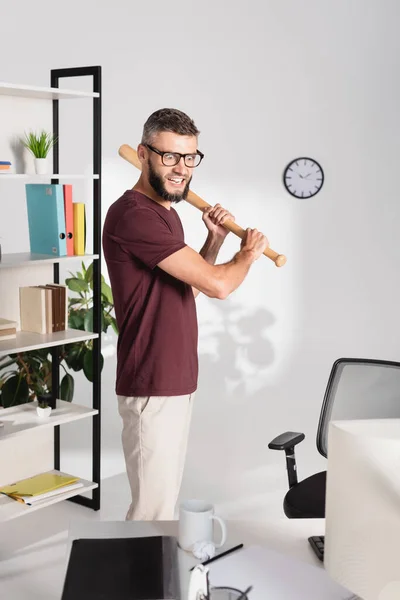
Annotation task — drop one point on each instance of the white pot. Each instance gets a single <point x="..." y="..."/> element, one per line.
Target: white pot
<point x="43" y="412"/>
<point x="41" y="166"/>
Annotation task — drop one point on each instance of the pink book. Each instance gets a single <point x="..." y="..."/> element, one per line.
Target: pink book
<point x="69" y="218"/>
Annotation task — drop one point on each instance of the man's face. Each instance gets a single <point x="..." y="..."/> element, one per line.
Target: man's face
<point x="171" y="183"/>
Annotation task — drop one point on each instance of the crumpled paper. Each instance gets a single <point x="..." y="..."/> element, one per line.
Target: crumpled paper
<point x="203" y="550"/>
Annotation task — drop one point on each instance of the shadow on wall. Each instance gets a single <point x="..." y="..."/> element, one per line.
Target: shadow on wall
<point x="229" y="432"/>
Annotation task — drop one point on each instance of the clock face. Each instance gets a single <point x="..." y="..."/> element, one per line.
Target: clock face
<point x="303" y="177"/>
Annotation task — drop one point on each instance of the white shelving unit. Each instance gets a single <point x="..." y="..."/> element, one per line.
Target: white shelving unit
<point x="23" y="259"/>
<point x="19" y="419"/>
<point x="42" y="93"/>
<point x="26" y="340"/>
<point x="27" y="442"/>
<point x="34" y="176"/>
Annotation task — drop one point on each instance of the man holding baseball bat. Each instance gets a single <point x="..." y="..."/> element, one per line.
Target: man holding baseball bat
<point x="155" y="277"/>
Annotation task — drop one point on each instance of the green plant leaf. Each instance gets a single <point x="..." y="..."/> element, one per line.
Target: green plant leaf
<point x="74" y="356"/>
<point x="88" y="320"/>
<point x="14" y="391"/>
<point x="67" y="387"/>
<point x="76" y="319"/>
<point x="73" y="301"/>
<point x="6" y="362"/>
<point x="39" y="144"/>
<point x="77" y="285"/>
<point x="88" y="365"/>
<point x="107" y="293"/>
<point x="106" y="323"/>
<point x="89" y="273"/>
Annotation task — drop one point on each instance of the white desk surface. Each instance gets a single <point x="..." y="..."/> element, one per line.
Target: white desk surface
<point x="288" y="536"/>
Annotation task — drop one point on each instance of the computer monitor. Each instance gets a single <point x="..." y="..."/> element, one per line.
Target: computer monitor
<point x="362" y="536"/>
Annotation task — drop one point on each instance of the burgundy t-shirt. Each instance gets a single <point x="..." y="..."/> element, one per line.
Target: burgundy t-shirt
<point x="155" y="312"/>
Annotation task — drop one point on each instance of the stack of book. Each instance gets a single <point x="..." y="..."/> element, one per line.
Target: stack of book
<point x="5" y="167"/>
<point x="8" y="329"/>
<point x="57" y="225"/>
<point x="42" y="486"/>
<point x="43" y="308"/>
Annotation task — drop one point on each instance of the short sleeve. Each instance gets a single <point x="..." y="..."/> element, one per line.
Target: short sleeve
<point x="146" y="235"/>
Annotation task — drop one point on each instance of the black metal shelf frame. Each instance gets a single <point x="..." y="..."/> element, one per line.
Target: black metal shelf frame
<point x="55" y="76"/>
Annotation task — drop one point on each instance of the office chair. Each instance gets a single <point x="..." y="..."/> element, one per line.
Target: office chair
<point x="357" y="388"/>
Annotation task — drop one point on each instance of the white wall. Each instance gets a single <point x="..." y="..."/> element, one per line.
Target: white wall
<point x="265" y="81"/>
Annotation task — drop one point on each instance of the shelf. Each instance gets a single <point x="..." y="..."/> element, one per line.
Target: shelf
<point x="21" y="259"/>
<point x="11" y="509"/>
<point x="23" y="417"/>
<point x="45" y="93"/>
<point x="26" y="341"/>
<point x="29" y="176"/>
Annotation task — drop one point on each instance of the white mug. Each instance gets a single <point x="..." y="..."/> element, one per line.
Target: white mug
<point x="196" y="524"/>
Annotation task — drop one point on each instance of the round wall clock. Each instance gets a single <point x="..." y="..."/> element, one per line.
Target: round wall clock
<point x="303" y="177"/>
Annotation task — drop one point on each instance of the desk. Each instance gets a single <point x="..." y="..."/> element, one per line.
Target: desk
<point x="288" y="536"/>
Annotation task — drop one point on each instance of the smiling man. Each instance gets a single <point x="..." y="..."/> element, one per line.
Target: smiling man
<point x="155" y="277"/>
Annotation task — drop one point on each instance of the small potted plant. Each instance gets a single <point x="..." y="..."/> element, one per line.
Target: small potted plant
<point x="39" y="145"/>
<point x="43" y="396"/>
<point x="43" y="409"/>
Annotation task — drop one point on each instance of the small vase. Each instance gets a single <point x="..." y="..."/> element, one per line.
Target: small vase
<point x="41" y="166"/>
<point x="43" y="412"/>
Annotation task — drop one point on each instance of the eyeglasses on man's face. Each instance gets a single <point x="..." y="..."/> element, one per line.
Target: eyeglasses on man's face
<point x="170" y="159"/>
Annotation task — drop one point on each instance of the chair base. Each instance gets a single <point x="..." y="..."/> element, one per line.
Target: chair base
<point x="317" y="543"/>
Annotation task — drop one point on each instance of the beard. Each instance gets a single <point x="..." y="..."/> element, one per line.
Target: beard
<point x="157" y="183"/>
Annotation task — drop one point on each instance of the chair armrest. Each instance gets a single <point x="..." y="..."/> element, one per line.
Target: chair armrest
<point x="286" y="440"/>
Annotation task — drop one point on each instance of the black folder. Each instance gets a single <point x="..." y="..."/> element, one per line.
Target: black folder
<point x="143" y="568"/>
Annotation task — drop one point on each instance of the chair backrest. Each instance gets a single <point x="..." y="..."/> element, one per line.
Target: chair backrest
<point x="359" y="388"/>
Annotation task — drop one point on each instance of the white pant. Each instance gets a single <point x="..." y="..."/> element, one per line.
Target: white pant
<point x="154" y="439"/>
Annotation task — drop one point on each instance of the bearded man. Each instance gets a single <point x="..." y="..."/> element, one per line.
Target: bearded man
<point x="155" y="277"/>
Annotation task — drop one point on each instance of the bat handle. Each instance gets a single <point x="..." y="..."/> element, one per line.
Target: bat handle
<point x="196" y="201"/>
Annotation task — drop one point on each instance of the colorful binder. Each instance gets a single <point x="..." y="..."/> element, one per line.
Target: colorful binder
<point x="79" y="228"/>
<point x="46" y="218"/>
<point x="69" y="218"/>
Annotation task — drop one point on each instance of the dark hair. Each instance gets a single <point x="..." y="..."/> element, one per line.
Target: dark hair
<point x="168" y="119"/>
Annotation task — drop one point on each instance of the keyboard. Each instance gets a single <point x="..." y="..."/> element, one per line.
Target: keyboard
<point x="317" y="543"/>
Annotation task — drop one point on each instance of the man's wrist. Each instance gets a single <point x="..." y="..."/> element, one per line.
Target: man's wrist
<point x="215" y="238"/>
<point x="247" y="256"/>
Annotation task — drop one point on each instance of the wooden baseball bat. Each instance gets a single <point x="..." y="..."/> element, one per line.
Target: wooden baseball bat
<point x="130" y="154"/>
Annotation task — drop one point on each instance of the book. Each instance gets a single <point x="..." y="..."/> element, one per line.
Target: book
<point x="30" y="500"/>
<point x="69" y="218"/>
<point x="5" y="166"/>
<point x="46" y="219"/>
<point x="8" y="329"/>
<point x="138" y="568"/>
<point x="32" y="305"/>
<point x="55" y="309"/>
<point x="49" y="308"/>
<point x="60" y="305"/>
<point x="38" y="484"/>
<point x="79" y="228"/>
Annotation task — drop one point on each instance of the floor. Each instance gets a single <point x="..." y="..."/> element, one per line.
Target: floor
<point x="33" y="547"/>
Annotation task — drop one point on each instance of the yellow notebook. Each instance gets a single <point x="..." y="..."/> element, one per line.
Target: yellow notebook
<point x="39" y="484"/>
<point x="79" y="235"/>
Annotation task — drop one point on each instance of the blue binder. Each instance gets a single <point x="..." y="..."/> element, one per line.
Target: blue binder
<point x="46" y="218"/>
